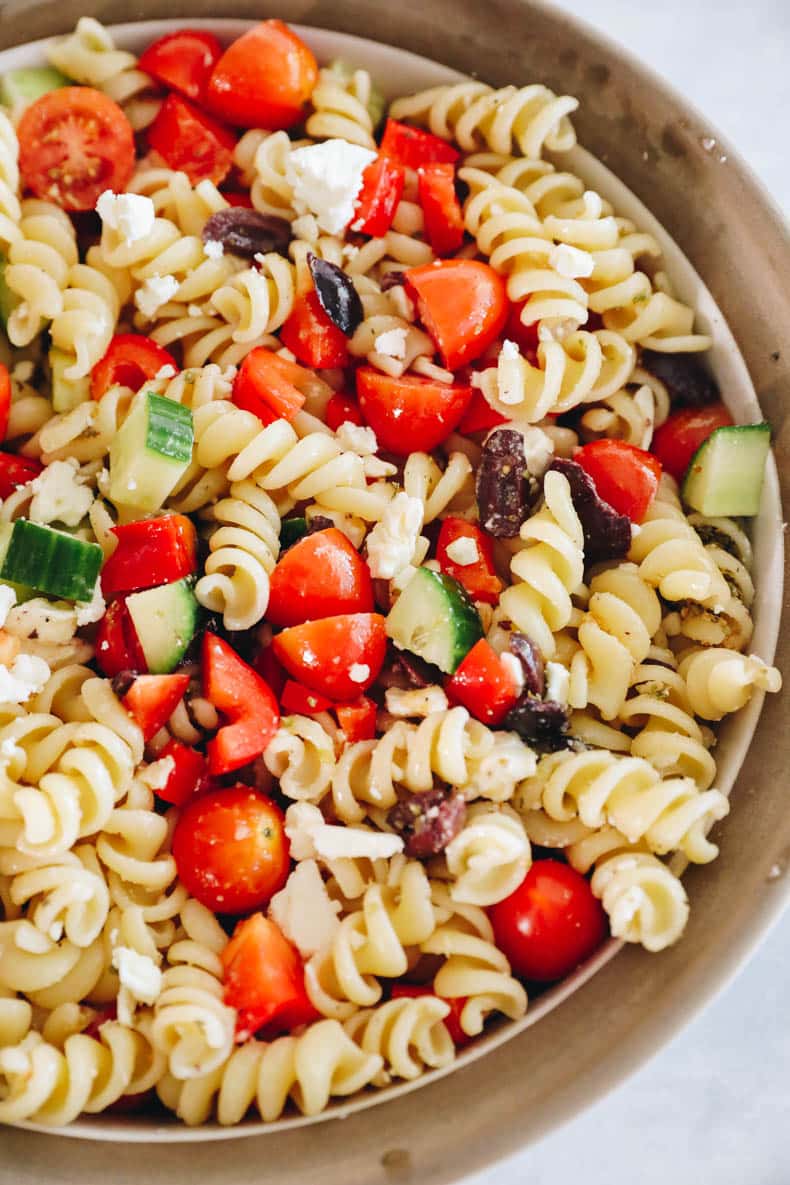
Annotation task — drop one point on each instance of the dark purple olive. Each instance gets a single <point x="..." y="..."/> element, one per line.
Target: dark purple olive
<point x="531" y="661"/>
<point x="502" y="488"/>
<point x="392" y="280"/>
<point x="419" y="672"/>
<point x="319" y="522"/>
<point x="336" y="292"/>
<point x="122" y="682"/>
<point x="607" y="534"/>
<point x="686" y="379"/>
<point x="427" y="822"/>
<point x="542" y="723"/>
<point x="247" y="232"/>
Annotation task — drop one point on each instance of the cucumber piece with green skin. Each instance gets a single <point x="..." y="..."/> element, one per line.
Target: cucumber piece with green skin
<point x="20" y="88"/>
<point x="725" y="475"/>
<point x="434" y="618"/>
<point x="50" y="561"/>
<point x="151" y="451"/>
<point x="66" y="393"/>
<point x="291" y="531"/>
<point x="165" y="620"/>
<point x="8" y="299"/>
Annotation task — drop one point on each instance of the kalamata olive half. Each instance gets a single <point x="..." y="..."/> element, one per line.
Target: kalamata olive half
<point x="531" y="661"/>
<point x="502" y="488"/>
<point x="247" y="232"/>
<point x="428" y="821"/>
<point x="337" y="295"/>
<point x="689" y="384"/>
<point x="542" y="723"/>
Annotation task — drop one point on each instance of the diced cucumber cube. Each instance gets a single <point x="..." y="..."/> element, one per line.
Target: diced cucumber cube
<point x="434" y="618"/>
<point x="725" y="475"/>
<point x="151" y="451"/>
<point x="19" y="88"/>
<point x="165" y="620"/>
<point x="50" y="561"/>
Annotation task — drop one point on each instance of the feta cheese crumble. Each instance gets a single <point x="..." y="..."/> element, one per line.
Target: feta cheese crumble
<point x="304" y="911"/>
<point x="558" y="683"/>
<point x="393" y="540"/>
<point x="463" y="551"/>
<point x="357" y="439"/>
<point x="510" y="380"/>
<point x="132" y="215"/>
<point x="7" y="602"/>
<point x="155" y="292"/>
<point x="571" y="262"/>
<point x="92" y="610"/>
<point x="213" y="248"/>
<point x="60" y="495"/>
<point x="156" y="775"/>
<point x="310" y="836"/>
<point x="358" y="672"/>
<point x="141" y="981"/>
<point x="24" y="679"/>
<point x="391" y="344"/>
<point x="326" y="179"/>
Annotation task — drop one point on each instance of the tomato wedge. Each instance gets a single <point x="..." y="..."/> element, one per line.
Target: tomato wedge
<point x="130" y="361"/>
<point x="342" y="409"/>
<point x="357" y="720"/>
<point x="152" y="699"/>
<point x="480" y="416"/>
<point x="191" y="142"/>
<point x="322" y="575"/>
<point x="5" y="400"/>
<point x="677" y="440"/>
<point x="151" y="552"/>
<point x="186" y="776"/>
<point x="479" y="577"/>
<point x="265" y="385"/>
<point x="483" y="685"/>
<point x="339" y="657"/>
<point x="73" y="144"/>
<point x="444" y="221"/>
<point x="294" y="698"/>
<point x="413" y="147"/>
<point x="382" y="188"/>
<point x="264" y="979"/>
<point x="264" y="79"/>
<point x="245" y="699"/>
<point x="625" y="476"/>
<point x="183" y="61"/>
<point x="311" y="336"/>
<point x="463" y="305"/>
<point x="16" y="471"/>
<point x="118" y="648"/>
<point x="410" y="413"/>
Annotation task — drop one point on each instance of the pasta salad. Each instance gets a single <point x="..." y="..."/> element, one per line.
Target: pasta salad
<point x="374" y="570"/>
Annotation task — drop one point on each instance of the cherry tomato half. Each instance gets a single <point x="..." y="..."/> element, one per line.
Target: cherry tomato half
<point x="339" y="657"/>
<point x="322" y="575"/>
<point x="625" y="476"/>
<point x="183" y="61"/>
<point x="192" y="142"/>
<point x="462" y="303"/>
<point x="677" y="440"/>
<point x="264" y="79"/>
<point x="409" y="413"/>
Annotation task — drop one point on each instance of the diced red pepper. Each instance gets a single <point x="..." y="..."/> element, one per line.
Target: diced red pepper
<point x="479" y="416"/>
<point x="151" y="552"/>
<point x="444" y="220"/>
<point x="358" y="719"/>
<point x="270" y="670"/>
<point x="186" y="776"/>
<point x="413" y="147"/>
<point x="240" y="200"/>
<point x="264" y="979"/>
<point x="322" y="575"/>
<point x="382" y="189"/>
<point x="453" y="1019"/>
<point x="342" y="409"/>
<point x="462" y="303"/>
<point x="478" y="578"/>
<point x="483" y="685"/>
<point x="16" y="471"/>
<point x="117" y="645"/>
<point x="5" y="400"/>
<point x="192" y="142"/>
<point x="244" y="699"/>
<point x="340" y="657"/>
<point x="301" y="700"/>
<point x="312" y="337"/>
<point x="265" y="385"/>
<point x="410" y="413"/>
<point x="152" y="699"/>
<point x="183" y="61"/>
<point x="625" y="476"/>
<point x="130" y="361"/>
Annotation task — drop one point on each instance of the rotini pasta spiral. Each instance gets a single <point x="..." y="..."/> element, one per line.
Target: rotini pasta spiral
<point x="301" y="756"/>
<point x="720" y="681"/>
<point x="669" y="737"/>
<point x="175" y="198"/>
<point x="64" y="895"/>
<point x="10" y="208"/>
<point x="729" y="624"/>
<point x="408" y="1035"/>
<point x="489" y="857"/>
<point x="631" y="414"/>
<point x="340" y="108"/>
<point x="38" y="268"/>
<point x="86" y="323"/>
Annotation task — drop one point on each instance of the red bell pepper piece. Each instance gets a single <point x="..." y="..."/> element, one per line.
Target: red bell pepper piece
<point x="358" y="719"/>
<point x="679" y="437"/>
<point x="413" y="148"/>
<point x="342" y="409"/>
<point x="242" y="696"/>
<point x="311" y="336"/>
<point x="302" y="701"/>
<point x="478" y="578"/>
<point x="444" y="220"/>
<point x="183" y="61"/>
<point x="322" y="575"/>
<point x="152" y="699"/>
<point x="151" y="552"/>
<point x="462" y="303"/>
<point x="483" y="685"/>
<point x="266" y="386"/>
<point x="192" y="142"/>
<point x="264" y="979"/>
<point x="382" y="189"/>
<point x="452" y="1021"/>
<point x="625" y="476"/>
<point x="410" y="413"/>
<point x="325" y="654"/>
<point x="5" y="400"/>
<point x="16" y="471"/>
<point x="479" y="415"/>
<point x="187" y="775"/>
<point x="117" y="645"/>
<point x="130" y="361"/>
<point x="270" y="670"/>
<point x="240" y="200"/>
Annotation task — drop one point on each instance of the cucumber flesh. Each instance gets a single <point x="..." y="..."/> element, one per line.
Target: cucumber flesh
<point x="435" y="619"/>
<point x="150" y="452"/>
<point x="66" y="393"/>
<point x="49" y="561"/>
<point x="165" y="620"/>
<point x="20" y="88"/>
<point x="725" y="475"/>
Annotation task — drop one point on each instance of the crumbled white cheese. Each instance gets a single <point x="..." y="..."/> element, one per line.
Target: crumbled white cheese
<point x="538" y="449"/>
<point x="155" y="776"/>
<point x="358" y="672"/>
<point x="514" y="669"/>
<point x="92" y="610"/>
<point x="326" y="179"/>
<point x="155" y="292"/>
<point x="571" y="262"/>
<point x="416" y="701"/>
<point x="357" y="439"/>
<point x="463" y="551"/>
<point x="310" y="836"/>
<point x="7" y="601"/>
<point x="392" y="343"/>
<point x="138" y="973"/>
<point x="60" y="495"/>
<point x="25" y="679"/>
<point x="304" y="911"/>
<point x="213" y="248"/>
<point x="132" y="215"/>
<point x="392" y="542"/>
<point x="23" y="371"/>
<point x="305" y="227"/>
<point x="165" y="372"/>
<point x="558" y="682"/>
<point x="510" y="378"/>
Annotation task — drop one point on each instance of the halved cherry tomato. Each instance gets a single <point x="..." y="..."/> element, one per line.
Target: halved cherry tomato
<point x="483" y="685"/>
<point x="357" y="720"/>
<point x="130" y="360"/>
<point x="311" y="336"/>
<point x="452" y="1021"/>
<point x="444" y="221"/>
<point x="152" y="699"/>
<point x="183" y="61"/>
<point x="322" y="575"/>
<point x="242" y="200"/>
<point x="301" y="700"/>
<point x="231" y="850"/>
<point x="187" y="775"/>
<point x="264" y="79"/>
<point x="679" y="437"/>
<point x="266" y="665"/>
<point x="550" y="923"/>
<point x="324" y="655"/>
<point x="463" y="305"/>
<point x="265" y="386"/>
<point x="150" y="552"/>
<point x="409" y="413"/>
<point x="342" y="409"/>
<point x="479" y="416"/>
<point x="382" y="189"/>
<point x="264" y="979"/>
<point x="73" y="144"/>
<point x="242" y="696"/>
<point x="192" y="142"/>
<point x="5" y="400"/>
<point x="625" y="476"/>
<point x="413" y="147"/>
<point x="16" y="471"/>
<point x="478" y="578"/>
<point x="117" y="645"/>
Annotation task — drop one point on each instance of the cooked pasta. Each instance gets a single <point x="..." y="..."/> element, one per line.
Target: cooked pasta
<point x="38" y="268"/>
<point x="340" y="108"/>
<point x="408" y="1035"/>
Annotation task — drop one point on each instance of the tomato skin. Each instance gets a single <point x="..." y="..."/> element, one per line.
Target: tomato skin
<point x="444" y="221"/>
<point x="463" y="305"/>
<point x="625" y="476"/>
<point x="186" y="776"/>
<point x="294" y="698"/>
<point x="357" y="720"/>
<point x="679" y="437"/>
<point x="74" y="143"/>
<point x="483" y="685"/>
<point x="452" y="1021"/>
<point x="342" y="409"/>
<point x="131" y="359"/>
<point x="118" y="648"/>
<point x="322" y="575"/>
<point x="264" y="980"/>
<point x="245" y="699"/>
<point x="5" y="400"/>
<point x="152" y="699"/>
<point x="16" y="471"/>
<point x="264" y="79"/>
<point x="550" y="924"/>
<point x="479" y="578"/>
<point x="240" y="200"/>
<point x="321" y="654"/>
<point x="183" y="61"/>
<point x="410" y="413"/>
<point x="525" y="336"/>
<point x="413" y="147"/>
<point x="382" y="188"/>
<point x="231" y="850"/>
<point x="311" y="336"/>
<point x="150" y="552"/>
<point x="265" y="386"/>
<point x="191" y="142"/>
<point x="479" y="416"/>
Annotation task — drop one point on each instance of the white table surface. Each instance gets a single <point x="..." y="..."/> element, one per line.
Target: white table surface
<point x="713" y="1108"/>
